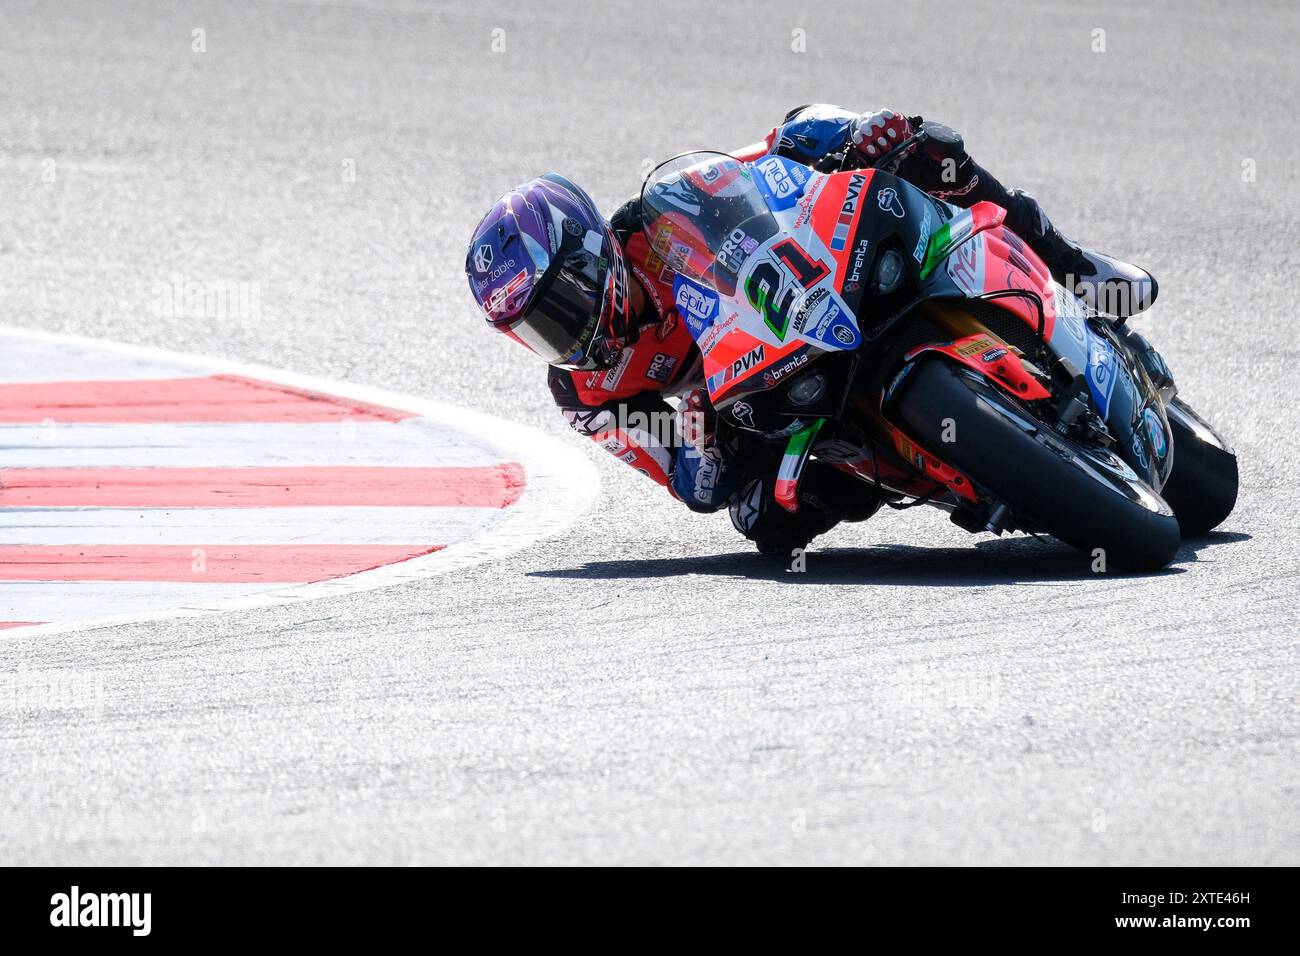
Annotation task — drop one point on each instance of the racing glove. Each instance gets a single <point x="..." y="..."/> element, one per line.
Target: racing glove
<point x="875" y="134"/>
<point x="703" y="476"/>
<point x="698" y="421"/>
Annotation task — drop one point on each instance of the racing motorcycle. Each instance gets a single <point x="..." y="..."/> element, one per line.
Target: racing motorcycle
<point x="927" y="350"/>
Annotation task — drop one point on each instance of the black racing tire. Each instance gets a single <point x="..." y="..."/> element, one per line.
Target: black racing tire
<point x="1202" y="488"/>
<point x="1086" y="497"/>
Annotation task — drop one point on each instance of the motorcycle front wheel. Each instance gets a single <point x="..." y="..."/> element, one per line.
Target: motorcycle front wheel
<point x="1088" y="497"/>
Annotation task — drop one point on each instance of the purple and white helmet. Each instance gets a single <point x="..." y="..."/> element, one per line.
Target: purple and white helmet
<point x="548" y="271"/>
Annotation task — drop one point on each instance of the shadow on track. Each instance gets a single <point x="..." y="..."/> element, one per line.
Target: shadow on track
<point x="1017" y="560"/>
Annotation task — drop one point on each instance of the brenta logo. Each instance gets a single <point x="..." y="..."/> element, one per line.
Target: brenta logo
<point x="102" y="909"/>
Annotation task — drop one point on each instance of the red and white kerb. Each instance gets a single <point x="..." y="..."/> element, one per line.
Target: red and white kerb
<point x="129" y="484"/>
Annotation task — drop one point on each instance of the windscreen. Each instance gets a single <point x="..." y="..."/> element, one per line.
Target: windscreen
<point x="704" y="215"/>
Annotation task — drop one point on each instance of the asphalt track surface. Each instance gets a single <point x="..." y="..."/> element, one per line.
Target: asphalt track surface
<point x="643" y="688"/>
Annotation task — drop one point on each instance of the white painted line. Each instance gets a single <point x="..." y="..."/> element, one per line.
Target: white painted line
<point x="198" y="526"/>
<point x="44" y="600"/>
<point x="245" y="445"/>
<point x="561" y="484"/>
<point x="29" y="360"/>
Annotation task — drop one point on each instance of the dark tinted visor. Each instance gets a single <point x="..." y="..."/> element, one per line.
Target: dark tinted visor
<point x="561" y="322"/>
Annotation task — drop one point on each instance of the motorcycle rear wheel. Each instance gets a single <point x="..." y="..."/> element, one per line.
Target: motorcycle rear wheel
<point x="1202" y="488"/>
<point x="1087" y="497"/>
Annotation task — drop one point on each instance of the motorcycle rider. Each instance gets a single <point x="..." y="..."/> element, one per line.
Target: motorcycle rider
<point x="595" y="301"/>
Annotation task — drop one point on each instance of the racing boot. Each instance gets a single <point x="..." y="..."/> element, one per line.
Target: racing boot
<point x="1106" y="284"/>
<point x="944" y="169"/>
<point x="827" y="496"/>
